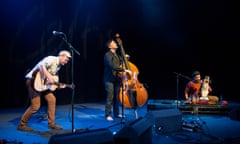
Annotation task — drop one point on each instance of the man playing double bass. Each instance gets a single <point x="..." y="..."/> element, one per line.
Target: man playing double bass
<point x="111" y="80"/>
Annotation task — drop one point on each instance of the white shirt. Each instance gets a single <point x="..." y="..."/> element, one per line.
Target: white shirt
<point x="51" y="63"/>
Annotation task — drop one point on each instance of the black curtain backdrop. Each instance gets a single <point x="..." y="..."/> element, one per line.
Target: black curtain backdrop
<point x="162" y="37"/>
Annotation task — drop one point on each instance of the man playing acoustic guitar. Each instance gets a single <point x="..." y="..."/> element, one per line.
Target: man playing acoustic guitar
<point x="42" y="81"/>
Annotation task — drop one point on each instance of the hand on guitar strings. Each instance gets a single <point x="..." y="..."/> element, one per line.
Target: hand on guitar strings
<point x="128" y="71"/>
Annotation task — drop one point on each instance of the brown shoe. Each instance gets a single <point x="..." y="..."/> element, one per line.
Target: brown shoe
<point x="55" y="127"/>
<point x="24" y="128"/>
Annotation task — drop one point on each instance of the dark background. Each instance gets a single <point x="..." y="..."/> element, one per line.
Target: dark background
<point x="163" y="37"/>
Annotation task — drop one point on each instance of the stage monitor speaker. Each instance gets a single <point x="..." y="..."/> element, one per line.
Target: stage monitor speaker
<point x="166" y="120"/>
<point x="137" y="132"/>
<point x="234" y="114"/>
<point x="99" y="136"/>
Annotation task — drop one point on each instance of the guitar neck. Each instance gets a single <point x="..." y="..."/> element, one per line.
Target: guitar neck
<point x="65" y="85"/>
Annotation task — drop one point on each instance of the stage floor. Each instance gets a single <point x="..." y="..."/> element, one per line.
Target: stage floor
<point x="217" y="129"/>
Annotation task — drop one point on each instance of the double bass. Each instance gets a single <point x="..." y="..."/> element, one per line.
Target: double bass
<point x="132" y="93"/>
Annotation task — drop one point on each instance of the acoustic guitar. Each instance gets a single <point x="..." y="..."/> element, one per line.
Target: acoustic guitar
<point x="41" y="84"/>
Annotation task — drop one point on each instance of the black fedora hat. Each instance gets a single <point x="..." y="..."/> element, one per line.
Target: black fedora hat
<point x="195" y="73"/>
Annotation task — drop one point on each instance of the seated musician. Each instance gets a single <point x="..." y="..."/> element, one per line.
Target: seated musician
<point x="197" y="90"/>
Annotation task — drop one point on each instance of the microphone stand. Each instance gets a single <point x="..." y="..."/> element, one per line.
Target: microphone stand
<point x="177" y="88"/>
<point x="123" y="88"/>
<point x="123" y="61"/>
<point x="177" y="82"/>
<point x="73" y="92"/>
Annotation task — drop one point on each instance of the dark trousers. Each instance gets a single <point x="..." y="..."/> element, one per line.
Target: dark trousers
<point x="112" y="100"/>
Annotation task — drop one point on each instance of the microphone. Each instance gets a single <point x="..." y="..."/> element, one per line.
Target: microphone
<point x="56" y="33"/>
